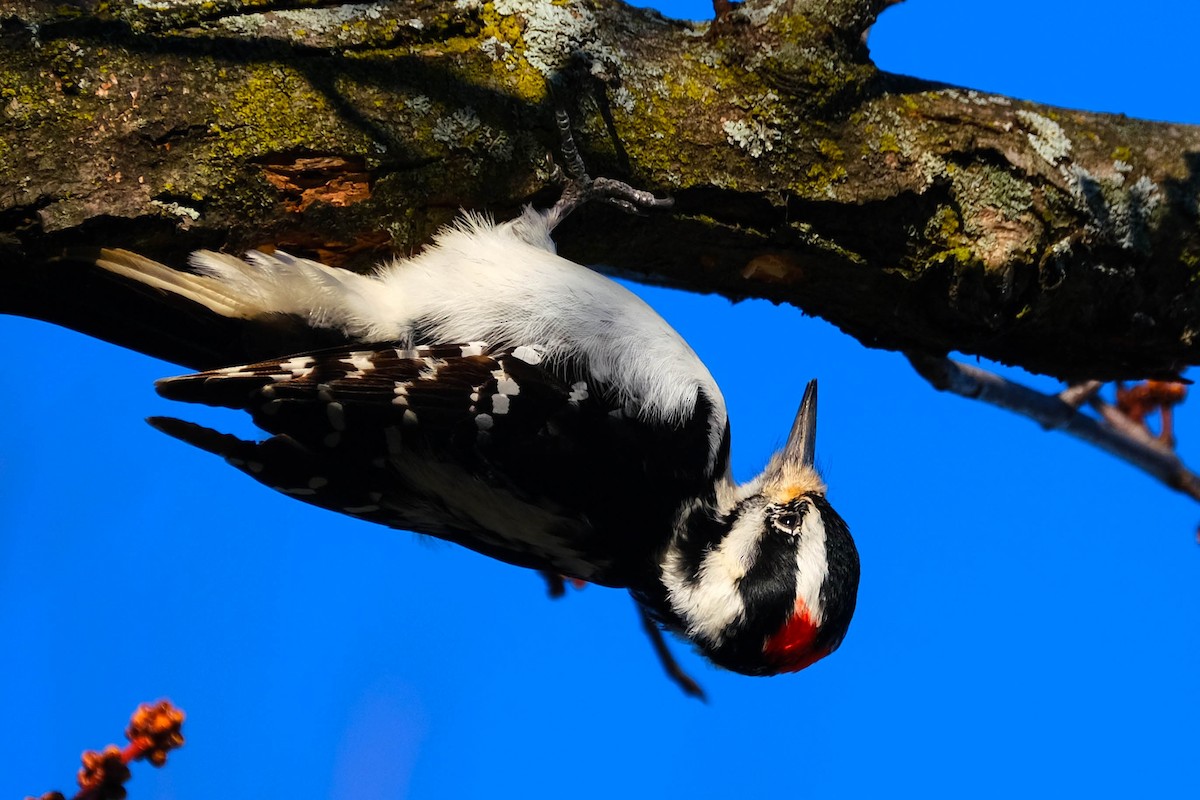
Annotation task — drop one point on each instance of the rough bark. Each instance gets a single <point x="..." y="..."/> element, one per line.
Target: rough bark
<point x="912" y="215"/>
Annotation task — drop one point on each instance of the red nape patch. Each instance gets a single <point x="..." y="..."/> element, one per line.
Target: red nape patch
<point x="790" y="649"/>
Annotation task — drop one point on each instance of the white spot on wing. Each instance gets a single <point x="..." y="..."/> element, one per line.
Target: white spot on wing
<point x="361" y="362"/>
<point x="529" y="355"/>
<point x="499" y="404"/>
<point x="473" y="348"/>
<point x="299" y="367"/>
<point x="432" y="365"/>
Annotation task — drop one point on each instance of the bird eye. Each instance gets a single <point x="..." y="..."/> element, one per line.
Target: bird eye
<point x="788" y="522"/>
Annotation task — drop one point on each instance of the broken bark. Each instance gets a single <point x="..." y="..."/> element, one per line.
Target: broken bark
<point x="914" y="216"/>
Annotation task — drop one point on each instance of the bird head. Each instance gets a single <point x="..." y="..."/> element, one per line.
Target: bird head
<point x="763" y="577"/>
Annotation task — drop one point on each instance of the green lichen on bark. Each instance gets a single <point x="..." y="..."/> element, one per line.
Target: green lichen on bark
<point x="911" y="215"/>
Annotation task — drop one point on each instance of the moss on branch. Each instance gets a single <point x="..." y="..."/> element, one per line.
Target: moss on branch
<point x="914" y="216"/>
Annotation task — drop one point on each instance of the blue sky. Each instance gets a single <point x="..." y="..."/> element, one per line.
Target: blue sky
<point x="1027" y="622"/>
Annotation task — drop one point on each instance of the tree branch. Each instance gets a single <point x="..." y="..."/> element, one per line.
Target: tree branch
<point x="1114" y="432"/>
<point x="915" y="216"/>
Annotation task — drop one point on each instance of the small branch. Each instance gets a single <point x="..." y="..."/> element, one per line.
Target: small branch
<point x="1077" y="394"/>
<point x="1114" y="432"/>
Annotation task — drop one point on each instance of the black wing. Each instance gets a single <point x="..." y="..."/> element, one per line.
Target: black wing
<point x="521" y="461"/>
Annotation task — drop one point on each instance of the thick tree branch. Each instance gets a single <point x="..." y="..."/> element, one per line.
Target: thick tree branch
<point x="914" y="216"/>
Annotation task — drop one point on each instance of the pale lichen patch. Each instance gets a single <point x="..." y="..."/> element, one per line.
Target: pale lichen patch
<point x="497" y="50"/>
<point x="1048" y="138"/>
<point x="175" y="209"/>
<point x="349" y="24"/>
<point x="1118" y="213"/>
<point x="976" y="98"/>
<point x="453" y="129"/>
<point x="623" y="99"/>
<point x="419" y="104"/>
<point x="753" y="135"/>
<point x="556" y="32"/>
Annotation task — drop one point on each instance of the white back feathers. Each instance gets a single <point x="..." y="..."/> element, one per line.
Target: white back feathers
<point x="478" y="281"/>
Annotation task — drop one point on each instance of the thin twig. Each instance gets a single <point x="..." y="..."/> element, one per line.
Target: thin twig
<point x="1077" y="394"/>
<point x="1113" y="432"/>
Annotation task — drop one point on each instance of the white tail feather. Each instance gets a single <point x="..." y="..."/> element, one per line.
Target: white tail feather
<point x="259" y="285"/>
<point x="210" y="293"/>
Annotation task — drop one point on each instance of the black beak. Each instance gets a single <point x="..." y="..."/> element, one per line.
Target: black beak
<point x="801" y="448"/>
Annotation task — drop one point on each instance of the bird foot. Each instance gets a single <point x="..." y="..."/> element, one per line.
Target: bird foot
<point x="582" y="188"/>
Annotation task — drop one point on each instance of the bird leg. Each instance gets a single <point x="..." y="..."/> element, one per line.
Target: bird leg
<point x="665" y="657"/>
<point x="556" y="586"/>
<point x="581" y="188"/>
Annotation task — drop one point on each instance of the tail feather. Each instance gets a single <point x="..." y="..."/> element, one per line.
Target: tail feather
<point x="278" y="461"/>
<point x="200" y="320"/>
<point x="287" y="466"/>
<point x="225" y="445"/>
<point x="209" y="292"/>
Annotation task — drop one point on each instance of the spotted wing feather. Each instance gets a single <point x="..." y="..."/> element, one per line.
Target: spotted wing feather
<point x="487" y="448"/>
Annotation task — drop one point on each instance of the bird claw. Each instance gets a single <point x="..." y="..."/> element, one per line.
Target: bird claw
<point x="582" y="188"/>
<point x="627" y="198"/>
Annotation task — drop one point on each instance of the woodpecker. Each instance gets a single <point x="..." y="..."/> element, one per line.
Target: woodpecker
<point x="491" y="393"/>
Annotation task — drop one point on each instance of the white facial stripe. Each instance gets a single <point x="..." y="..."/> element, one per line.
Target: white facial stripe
<point x="812" y="566"/>
<point x="710" y="605"/>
